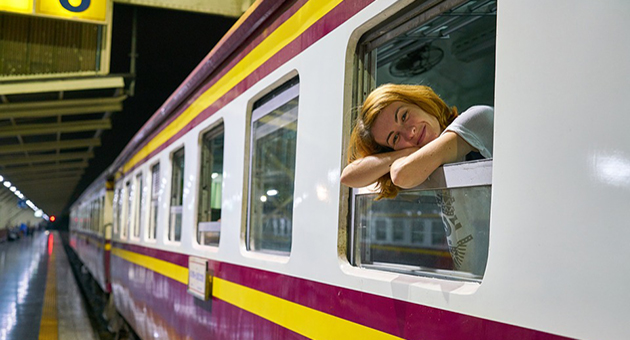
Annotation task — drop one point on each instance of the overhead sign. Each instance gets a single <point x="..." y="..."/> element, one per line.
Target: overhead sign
<point x="93" y="10"/>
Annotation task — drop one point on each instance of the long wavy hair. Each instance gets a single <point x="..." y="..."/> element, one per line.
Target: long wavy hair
<point x="362" y="141"/>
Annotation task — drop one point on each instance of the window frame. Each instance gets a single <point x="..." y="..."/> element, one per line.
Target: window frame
<point x="138" y="218"/>
<point x="212" y="132"/>
<point x="279" y="95"/>
<point x="448" y="176"/>
<point x="153" y="218"/>
<point x="171" y="226"/>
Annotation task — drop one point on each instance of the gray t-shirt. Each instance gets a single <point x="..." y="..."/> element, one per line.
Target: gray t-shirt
<point x="475" y="126"/>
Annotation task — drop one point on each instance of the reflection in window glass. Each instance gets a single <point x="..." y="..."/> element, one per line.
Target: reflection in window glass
<point x="272" y="171"/>
<point x="209" y="217"/>
<point x="453" y="53"/>
<point x="457" y="219"/>
<point x="155" y="195"/>
<point x="177" y="195"/>
<point x="417" y="231"/>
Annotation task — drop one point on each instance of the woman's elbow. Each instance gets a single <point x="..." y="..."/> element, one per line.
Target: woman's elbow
<point x="403" y="179"/>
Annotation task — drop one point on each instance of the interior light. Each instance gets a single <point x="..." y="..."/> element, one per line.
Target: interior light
<point x="7" y="184"/>
<point x="263" y="198"/>
<point x="1" y="178"/>
<point x="214" y="175"/>
<point x="272" y="192"/>
<point x="39" y="213"/>
<point x="13" y="189"/>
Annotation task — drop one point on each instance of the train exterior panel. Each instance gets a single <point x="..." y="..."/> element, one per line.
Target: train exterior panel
<point x="559" y="185"/>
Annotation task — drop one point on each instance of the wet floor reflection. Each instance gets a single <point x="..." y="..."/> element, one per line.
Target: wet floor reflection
<point x="22" y="285"/>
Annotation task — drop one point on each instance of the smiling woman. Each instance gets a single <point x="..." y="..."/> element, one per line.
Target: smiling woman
<point x="405" y="132"/>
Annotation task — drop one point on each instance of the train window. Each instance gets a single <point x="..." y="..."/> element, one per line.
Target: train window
<point x="210" y="187"/>
<point x="272" y="170"/>
<point x="440" y="228"/>
<point x="177" y="195"/>
<point x="117" y="211"/>
<point x="139" y="206"/>
<point x="128" y="209"/>
<point x="101" y="216"/>
<point x="155" y="196"/>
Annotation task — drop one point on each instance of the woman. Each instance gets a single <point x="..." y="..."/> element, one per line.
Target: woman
<point x="405" y="132"/>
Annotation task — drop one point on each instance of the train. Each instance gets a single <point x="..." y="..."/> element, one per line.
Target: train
<point x="224" y="216"/>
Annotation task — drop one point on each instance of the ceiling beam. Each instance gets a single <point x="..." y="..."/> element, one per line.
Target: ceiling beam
<point x="62" y="85"/>
<point x="60" y="145"/>
<point x="25" y="177"/>
<point x="61" y="111"/>
<point x="41" y="129"/>
<point x="54" y="104"/>
<point x="39" y="168"/>
<point x="45" y="158"/>
<point x="50" y="182"/>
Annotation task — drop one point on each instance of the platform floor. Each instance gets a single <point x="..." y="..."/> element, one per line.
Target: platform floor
<point x="39" y="298"/>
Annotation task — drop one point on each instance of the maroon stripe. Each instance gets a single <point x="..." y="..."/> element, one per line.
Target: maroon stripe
<point x="320" y="29"/>
<point x="399" y="318"/>
<point x="168" y="256"/>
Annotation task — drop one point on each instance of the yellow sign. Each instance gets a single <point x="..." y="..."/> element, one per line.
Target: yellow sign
<point x="75" y="9"/>
<point x="18" y="6"/>
<point x="94" y="10"/>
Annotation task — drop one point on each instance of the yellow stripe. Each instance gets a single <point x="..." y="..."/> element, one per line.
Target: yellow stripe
<point x="108" y="246"/>
<point x="175" y="272"/>
<point x="299" y="22"/>
<point x="48" y="328"/>
<point x="306" y="321"/>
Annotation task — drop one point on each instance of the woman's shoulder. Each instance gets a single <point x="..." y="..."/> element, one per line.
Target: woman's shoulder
<point x="479" y="109"/>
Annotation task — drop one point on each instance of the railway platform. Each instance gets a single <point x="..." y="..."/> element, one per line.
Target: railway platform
<point x="39" y="298"/>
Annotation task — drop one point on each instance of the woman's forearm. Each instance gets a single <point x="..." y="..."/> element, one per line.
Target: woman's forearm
<point x="365" y="171"/>
<point x="411" y="171"/>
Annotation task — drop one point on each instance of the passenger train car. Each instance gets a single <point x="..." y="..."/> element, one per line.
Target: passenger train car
<point x="224" y="217"/>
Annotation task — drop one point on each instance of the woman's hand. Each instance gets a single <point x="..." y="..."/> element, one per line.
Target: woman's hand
<point x="410" y="171"/>
<point x="365" y="171"/>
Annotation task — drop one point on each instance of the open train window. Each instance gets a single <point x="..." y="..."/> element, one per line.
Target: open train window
<point x="177" y="196"/>
<point x="440" y="228"/>
<point x="210" y="187"/>
<point x="272" y="170"/>
<point x="155" y="197"/>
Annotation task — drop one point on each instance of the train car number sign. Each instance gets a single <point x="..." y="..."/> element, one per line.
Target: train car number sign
<point x="92" y="10"/>
<point x="198" y="278"/>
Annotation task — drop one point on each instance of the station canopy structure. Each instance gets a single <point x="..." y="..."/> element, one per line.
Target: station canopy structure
<point x="57" y="95"/>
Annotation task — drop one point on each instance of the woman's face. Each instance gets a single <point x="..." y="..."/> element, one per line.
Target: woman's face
<point x="401" y="125"/>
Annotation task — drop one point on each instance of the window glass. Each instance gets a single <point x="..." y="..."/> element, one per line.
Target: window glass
<point x="210" y="187"/>
<point x="128" y="208"/>
<point x="118" y="211"/>
<point x="272" y="170"/>
<point x="101" y="216"/>
<point x="453" y="53"/>
<point x="177" y="195"/>
<point x="457" y="221"/>
<point x="139" y="206"/>
<point x="155" y="196"/>
<point x="439" y="230"/>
